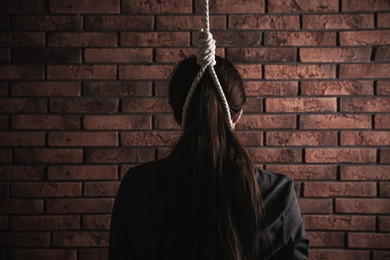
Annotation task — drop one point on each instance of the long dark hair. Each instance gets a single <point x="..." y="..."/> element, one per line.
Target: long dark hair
<point x="218" y="201"/>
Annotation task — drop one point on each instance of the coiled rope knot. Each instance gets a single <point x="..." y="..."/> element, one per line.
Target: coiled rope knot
<point x="206" y="49"/>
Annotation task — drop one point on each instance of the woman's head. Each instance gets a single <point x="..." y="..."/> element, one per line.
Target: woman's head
<point x="182" y="79"/>
<point x="220" y="203"/>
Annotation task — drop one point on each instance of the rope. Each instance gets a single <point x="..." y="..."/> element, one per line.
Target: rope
<point x="205" y="57"/>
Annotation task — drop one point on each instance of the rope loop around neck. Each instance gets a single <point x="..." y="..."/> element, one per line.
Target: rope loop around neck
<point x="205" y="57"/>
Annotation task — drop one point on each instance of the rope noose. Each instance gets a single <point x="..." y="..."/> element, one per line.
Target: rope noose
<point x="205" y="58"/>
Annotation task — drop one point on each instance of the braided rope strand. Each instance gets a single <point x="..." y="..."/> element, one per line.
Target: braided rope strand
<point x="205" y="58"/>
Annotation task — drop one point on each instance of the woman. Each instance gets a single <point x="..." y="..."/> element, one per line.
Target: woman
<point x="206" y="200"/>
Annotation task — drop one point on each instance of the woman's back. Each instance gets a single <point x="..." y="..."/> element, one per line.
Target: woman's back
<point x="144" y="225"/>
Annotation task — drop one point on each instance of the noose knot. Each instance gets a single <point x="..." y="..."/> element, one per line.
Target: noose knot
<point x="206" y="49"/>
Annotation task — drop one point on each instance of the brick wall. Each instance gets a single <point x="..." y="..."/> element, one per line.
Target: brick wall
<point x="83" y="86"/>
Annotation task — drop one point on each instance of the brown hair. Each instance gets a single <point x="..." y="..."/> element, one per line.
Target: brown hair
<point x="218" y="198"/>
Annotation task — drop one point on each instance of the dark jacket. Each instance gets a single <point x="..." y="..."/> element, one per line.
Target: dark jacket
<point x="136" y="226"/>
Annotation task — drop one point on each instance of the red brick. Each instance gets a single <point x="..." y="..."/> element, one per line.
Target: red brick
<point x="299" y="38"/>
<point x="120" y="22"/>
<point x="22" y="138"/>
<point x="250" y="138"/>
<point x="50" y="223"/>
<point x="4" y="119"/>
<point x="372" y="172"/>
<point x="5" y="55"/>
<point x="46" y="155"/>
<point x="232" y="38"/>
<point x="25" y="239"/>
<point x="5" y="155"/>
<point x="47" y="23"/>
<point x="150" y="138"/>
<point x="339" y="222"/>
<point x="382" y="53"/>
<point x="384" y="188"/>
<point x="331" y="189"/>
<point x="383" y="20"/>
<point x="47" y="55"/>
<point x="299" y="71"/>
<point x="339" y="88"/>
<point x="80" y="239"/>
<point x="83" y="139"/>
<point x="301" y="138"/>
<point x="81" y="72"/>
<point x="368" y="5"/>
<point x="261" y="54"/>
<point x="249" y="71"/>
<point x="275" y="154"/>
<point x="84" y="205"/>
<point x="384" y="155"/>
<point x="83" y="39"/>
<point x="83" y="172"/>
<point x="368" y="240"/>
<point x="165" y="122"/>
<point x="326" y="239"/>
<point x="21" y="71"/>
<point x="47" y="88"/>
<point x="334" y="54"/>
<point x="253" y="105"/>
<point x="186" y="22"/>
<point x="315" y="205"/>
<point x="384" y="223"/>
<point x="117" y="122"/>
<point x="117" y="88"/>
<point x="137" y="55"/>
<point x="381" y="255"/>
<point x="156" y="7"/>
<point x="271" y="88"/>
<point x="96" y="222"/>
<point x="120" y="155"/>
<point x="364" y="70"/>
<point x="145" y="105"/>
<point x="263" y="22"/>
<point x="46" y="254"/>
<point x="21" y="206"/>
<point x="335" y="121"/>
<point x="232" y="6"/>
<point x="101" y="189"/>
<point x="306" y="172"/>
<point x="339" y="155"/>
<point x="84" y="6"/>
<point x="338" y="21"/>
<point x="45" y="122"/>
<point x="366" y="206"/>
<point x="84" y="105"/>
<point x="23" y="105"/>
<point x="22" y="6"/>
<point x="365" y="37"/>
<point x="93" y="254"/>
<point x="367" y="104"/>
<point x="16" y="172"/>
<point x="365" y="138"/>
<point x="145" y="71"/>
<point x="301" y="104"/>
<point x="327" y="254"/>
<point x="52" y="189"/>
<point x="157" y="39"/>
<point x="17" y="39"/>
<point x="302" y="6"/>
<point x="178" y="54"/>
<point x="267" y="122"/>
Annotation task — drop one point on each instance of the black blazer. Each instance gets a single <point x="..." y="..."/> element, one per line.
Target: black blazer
<point x="135" y="225"/>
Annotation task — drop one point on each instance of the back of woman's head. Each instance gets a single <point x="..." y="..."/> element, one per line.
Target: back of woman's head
<point x="220" y="203"/>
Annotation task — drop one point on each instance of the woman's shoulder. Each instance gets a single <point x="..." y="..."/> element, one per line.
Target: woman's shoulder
<point x="277" y="190"/>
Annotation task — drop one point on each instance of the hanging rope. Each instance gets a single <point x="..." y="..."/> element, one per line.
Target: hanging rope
<point x="205" y="58"/>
